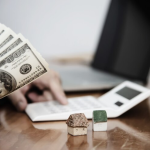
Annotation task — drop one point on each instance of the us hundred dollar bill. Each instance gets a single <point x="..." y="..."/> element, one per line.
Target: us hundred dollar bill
<point x="20" y="66"/>
<point x="2" y="29"/>
<point x="6" y="37"/>
<point x="12" y="44"/>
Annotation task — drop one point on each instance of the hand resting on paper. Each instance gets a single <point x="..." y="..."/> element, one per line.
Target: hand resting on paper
<point x="50" y="87"/>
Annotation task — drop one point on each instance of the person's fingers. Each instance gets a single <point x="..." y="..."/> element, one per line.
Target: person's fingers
<point x="43" y="82"/>
<point x="39" y="83"/>
<point x="18" y="100"/>
<point x="56" y="88"/>
<point x="50" y="81"/>
<point x="57" y="76"/>
<point x="46" y="96"/>
<point x="35" y="97"/>
<point x="57" y="92"/>
<point x="25" y="89"/>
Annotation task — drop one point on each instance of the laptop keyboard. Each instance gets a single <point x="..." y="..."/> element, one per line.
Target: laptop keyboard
<point x="87" y="75"/>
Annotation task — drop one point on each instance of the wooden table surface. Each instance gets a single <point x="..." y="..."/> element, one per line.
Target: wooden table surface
<point x="129" y="131"/>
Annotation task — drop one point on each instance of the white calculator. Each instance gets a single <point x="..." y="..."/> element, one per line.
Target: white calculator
<point x="115" y="102"/>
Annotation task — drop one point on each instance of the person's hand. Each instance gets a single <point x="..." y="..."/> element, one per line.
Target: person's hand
<point x="50" y="87"/>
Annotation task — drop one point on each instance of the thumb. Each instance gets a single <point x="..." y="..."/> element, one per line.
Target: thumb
<point x="18" y="100"/>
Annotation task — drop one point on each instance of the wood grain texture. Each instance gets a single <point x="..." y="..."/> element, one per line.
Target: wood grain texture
<point x="129" y="131"/>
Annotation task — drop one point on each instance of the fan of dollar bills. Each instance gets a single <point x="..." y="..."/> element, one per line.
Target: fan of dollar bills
<point x="20" y="63"/>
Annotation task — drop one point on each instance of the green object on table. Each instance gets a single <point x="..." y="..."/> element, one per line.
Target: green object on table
<point x="99" y="116"/>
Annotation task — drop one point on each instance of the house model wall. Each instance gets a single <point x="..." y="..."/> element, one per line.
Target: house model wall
<point x="77" y="124"/>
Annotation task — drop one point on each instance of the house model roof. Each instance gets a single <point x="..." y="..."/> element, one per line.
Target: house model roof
<point x="77" y="120"/>
<point x="99" y="116"/>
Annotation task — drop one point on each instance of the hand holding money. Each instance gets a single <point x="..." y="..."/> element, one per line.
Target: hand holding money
<point x="50" y="86"/>
<point x="21" y="64"/>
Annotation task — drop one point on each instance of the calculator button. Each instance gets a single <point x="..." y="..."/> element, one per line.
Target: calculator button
<point x="119" y="103"/>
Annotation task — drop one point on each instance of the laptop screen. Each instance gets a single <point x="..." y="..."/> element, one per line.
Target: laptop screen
<point x="124" y="46"/>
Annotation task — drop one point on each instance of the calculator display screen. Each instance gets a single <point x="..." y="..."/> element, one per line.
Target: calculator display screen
<point x="128" y="93"/>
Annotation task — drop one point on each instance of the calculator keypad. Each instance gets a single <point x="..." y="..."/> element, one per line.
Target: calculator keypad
<point x="75" y="104"/>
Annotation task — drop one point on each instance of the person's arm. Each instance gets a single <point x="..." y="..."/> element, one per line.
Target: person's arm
<point x="50" y="87"/>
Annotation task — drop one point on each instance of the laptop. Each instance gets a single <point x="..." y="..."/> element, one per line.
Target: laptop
<point x="123" y="51"/>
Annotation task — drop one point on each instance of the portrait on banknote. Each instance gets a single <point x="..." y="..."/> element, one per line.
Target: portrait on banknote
<point x="7" y="83"/>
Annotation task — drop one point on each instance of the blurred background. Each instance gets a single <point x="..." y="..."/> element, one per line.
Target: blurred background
<point x="59" y="28"/>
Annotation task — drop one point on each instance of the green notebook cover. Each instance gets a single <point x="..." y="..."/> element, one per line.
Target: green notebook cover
<point x="99" y="116"/>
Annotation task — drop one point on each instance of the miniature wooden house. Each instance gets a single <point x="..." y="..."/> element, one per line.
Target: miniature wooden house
<point x="99" y="120"/>
<point x="77" y="124"/>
